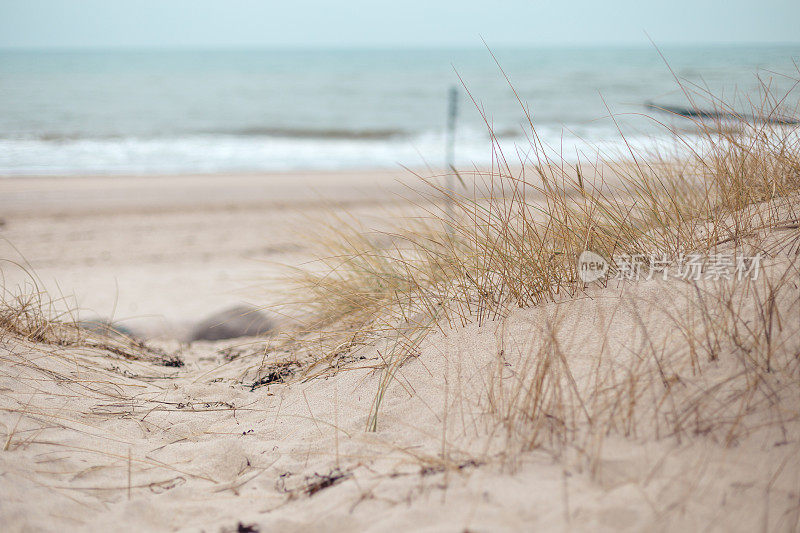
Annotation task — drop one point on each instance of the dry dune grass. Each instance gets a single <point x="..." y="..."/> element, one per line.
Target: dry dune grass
<point x="513" y="239"/>
<point x="708" y="362"/>
<point x="715" y="360"/>
<point x="32" y="315"/>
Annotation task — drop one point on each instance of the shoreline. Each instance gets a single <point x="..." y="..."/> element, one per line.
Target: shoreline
<point x="46" y="195"/>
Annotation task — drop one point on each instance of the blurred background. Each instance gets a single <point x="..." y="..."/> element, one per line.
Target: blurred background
<point x="206" y="86"/>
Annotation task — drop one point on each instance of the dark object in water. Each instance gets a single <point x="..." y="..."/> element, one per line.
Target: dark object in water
<point x="691" y="112"/>
<point x="238" y="321"/>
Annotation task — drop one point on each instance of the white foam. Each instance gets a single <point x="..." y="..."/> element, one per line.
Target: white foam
<point x="228" y="153"/>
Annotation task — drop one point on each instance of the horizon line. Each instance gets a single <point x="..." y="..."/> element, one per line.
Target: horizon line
<point x="387" y="47"/>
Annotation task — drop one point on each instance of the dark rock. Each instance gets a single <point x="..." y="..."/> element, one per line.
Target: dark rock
<point x="238" y="321"/>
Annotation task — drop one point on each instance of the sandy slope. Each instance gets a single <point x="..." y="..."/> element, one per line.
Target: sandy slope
<point x="100" y="442"/>
<point x="93" y="440"/>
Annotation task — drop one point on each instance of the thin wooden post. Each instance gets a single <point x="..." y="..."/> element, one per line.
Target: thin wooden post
<point x="452" y="114"/>
<point x="450" y="142"/>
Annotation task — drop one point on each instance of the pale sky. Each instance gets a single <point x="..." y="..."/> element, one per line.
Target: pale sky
<point x="397" y="23"/>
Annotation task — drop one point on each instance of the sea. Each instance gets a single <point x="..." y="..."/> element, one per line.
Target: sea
<point x="110" y="112"/>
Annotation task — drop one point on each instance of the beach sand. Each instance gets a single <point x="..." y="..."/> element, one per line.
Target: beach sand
<point x="158" y="253"/>
<point x="97" y="439"/>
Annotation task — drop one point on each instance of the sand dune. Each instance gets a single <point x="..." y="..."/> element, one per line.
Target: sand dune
<point x="640" y="429"/>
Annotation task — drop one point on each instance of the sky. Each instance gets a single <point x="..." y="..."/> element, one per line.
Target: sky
<point x="397" y="23"/>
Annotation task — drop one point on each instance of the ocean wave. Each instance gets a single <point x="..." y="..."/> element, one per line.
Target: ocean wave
<point x="283" y="132"/>
<point x="315" y="133"/>
<point x="247" y="153"/>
